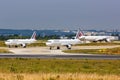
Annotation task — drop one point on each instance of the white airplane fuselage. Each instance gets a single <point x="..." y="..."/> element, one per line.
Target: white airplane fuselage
<point x="16" y="42"/>
<point x="62" y="42"/>
<point x="21" y="42"/>
<point x="97" y="38"/>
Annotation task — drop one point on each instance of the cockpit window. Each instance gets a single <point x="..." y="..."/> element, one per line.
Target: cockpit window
<point x="8" y="41"/>
<point x="49" y="41"/>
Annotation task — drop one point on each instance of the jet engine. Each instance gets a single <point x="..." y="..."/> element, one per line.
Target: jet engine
<point x="68" y="46"/>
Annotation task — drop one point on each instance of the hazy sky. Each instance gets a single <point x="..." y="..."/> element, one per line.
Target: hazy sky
<point x="60" y="14"/>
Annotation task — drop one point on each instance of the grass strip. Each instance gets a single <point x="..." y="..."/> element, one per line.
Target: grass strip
<point x="98" y="44"/>
<point x="21" y="65"/>
<point x="4" y="51"/>
<point x="109" y="51"/>
<point x="57" y="76"/>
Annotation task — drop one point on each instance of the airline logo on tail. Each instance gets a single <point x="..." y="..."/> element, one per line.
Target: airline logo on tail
<point x="33" y="35"/>
<point x="79" y="34"/>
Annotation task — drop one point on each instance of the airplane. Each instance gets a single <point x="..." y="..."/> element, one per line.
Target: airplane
<point x="63" y="42"/>
<point x="82" y="37"/>
<point x="21" y="42"/>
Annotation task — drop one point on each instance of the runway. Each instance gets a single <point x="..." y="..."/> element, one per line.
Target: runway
<point x="55" y="56"/>
<point x="45" y="53"/>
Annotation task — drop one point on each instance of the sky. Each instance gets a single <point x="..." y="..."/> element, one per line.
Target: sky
<point x="60" y="14"/>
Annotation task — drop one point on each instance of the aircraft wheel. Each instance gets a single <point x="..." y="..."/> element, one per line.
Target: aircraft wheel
<point x="9" y="46"/>
<point x="69" y="48"/>
<point x="16" y="46"/>
<point x="50" y="47"/>
<point x="24" y="46"/>
<point x="58" y="47"/>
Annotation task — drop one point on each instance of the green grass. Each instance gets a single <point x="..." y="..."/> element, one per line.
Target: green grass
<point x="2" y="44"/>
<point x="4" y="51"/>
<point x="40" y="44"/>
<point x="98" y="44"/>
<point x="112" y="51"/>
<point x="59" y="66"/>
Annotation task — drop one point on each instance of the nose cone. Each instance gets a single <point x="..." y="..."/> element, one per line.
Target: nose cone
<point x="48" y="43"/>
<point x="6" y="42"/>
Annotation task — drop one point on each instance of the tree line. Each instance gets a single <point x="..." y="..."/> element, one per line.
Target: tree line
<point x="38" y="37"/>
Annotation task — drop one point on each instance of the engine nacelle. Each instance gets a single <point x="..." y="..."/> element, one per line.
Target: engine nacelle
<point x="68" y="46"/>
<point x="23" y="45"/>
<point x="107" y="40"/>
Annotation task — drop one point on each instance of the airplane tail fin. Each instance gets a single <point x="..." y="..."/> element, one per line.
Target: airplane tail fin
<point x="33" y="35"/>
<point x="79" y="34"/>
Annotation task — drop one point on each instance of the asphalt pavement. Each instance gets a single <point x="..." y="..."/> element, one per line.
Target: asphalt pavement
<point x="62" y="56"/>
